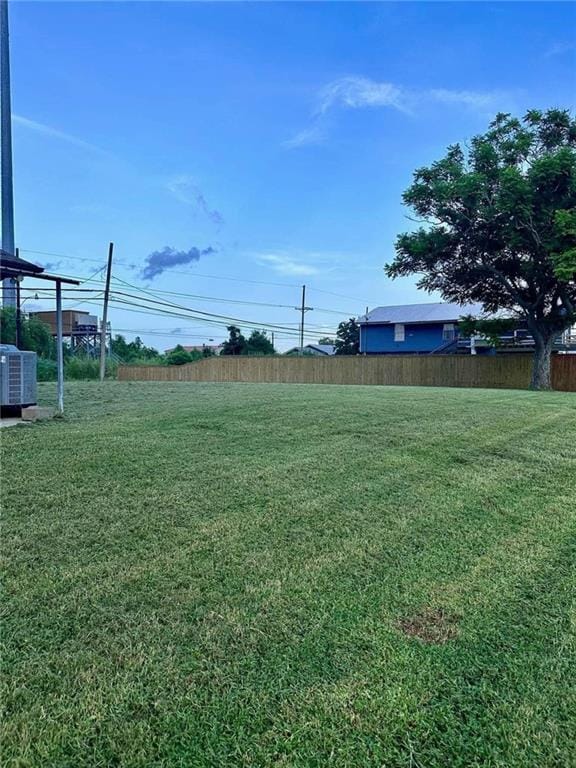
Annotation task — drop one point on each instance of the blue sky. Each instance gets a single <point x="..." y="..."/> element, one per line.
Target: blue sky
<point x="266" y="143"/>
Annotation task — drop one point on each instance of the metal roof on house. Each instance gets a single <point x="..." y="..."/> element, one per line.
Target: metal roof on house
<point x="322" y="349"/>
<point x="325" y="349"/>
<point x="438" y="312"/>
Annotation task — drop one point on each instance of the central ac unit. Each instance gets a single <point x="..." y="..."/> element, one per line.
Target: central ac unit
<point x="17" y="377"/>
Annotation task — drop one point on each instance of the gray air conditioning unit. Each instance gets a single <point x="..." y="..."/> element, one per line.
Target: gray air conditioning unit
<point x="17" y="377"/>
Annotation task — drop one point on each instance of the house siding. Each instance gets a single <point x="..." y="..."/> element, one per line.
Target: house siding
<point x="379" y="339"/>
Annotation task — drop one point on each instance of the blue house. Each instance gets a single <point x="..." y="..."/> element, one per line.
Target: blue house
<point x="413" y="328"/>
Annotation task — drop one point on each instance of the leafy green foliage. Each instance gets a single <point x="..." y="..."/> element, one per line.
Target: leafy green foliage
<point x="501" y="226"/>
<point x="235" y="344"/>
<point x="327" y="340"/>
<point x="564" y="255"/>
<point x="222" y="576"/>
<point x="180" y="356"/>
<point x="132" y="351"/>
<point x="257" y="343"/>
<point x="80" y="368"/>
<point x="35" y="335"/>
<point x="348" y="338"/>
<point x="492" y="330"/>
<point x="46" y="370"/>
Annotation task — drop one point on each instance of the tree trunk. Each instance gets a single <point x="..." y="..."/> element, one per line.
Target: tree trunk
<point x="541" y="367"/>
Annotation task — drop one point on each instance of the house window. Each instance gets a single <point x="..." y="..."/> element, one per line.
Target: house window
<point x="448" y="332"/>
<point x="399" y="334"/>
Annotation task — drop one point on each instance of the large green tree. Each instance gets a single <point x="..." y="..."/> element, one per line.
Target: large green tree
<point x="235" y="344"/>
<point x="348" y="338"/>
<point x="499" y="226"/>
<point x="130" y="351"/>
<point x="259" y="344"/>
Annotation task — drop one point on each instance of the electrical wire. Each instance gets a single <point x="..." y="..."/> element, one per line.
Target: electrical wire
<point x="202" y="274"/>
<point x="119" y="300"/>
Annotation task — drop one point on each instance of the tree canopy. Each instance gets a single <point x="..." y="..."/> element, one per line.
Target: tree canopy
<point x="348" y="338"/>
<point x="35" y="335"/>
<point x="235" y="344"/>
<point x="131" y="351"/>
<point x="500" y="226"/>
<point x="179" y="356"/>
<point x="257" y="343"/>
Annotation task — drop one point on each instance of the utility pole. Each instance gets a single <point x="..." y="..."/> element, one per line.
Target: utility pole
<point x="103" y="329"/>
<point x="302" y="309"/>
<point x="302" y="313"/>
<point x="9" y="284"/>
<point x="18" y="312"/>
<point x="59" y="348"/>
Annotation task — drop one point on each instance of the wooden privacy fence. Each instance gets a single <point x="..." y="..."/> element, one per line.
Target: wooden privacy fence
<point x="498" y="371"/>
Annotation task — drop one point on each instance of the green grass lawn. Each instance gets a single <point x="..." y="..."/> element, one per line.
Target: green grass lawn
<point x="289" y="575"/>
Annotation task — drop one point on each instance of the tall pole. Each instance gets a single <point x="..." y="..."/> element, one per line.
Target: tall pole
<point x="59" y="348"/>
<point x="302" y="313"/>
<point x="18" y="311"/>
<point x="18" y="316"/>
<point x="9" y="284"/>
<point x="105" y="314"/>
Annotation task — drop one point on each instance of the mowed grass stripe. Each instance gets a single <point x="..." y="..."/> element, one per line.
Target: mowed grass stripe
<point x="215" y="575"/>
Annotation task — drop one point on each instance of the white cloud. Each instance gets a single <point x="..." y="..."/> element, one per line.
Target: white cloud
<point x="473" y="99"/>
<point x="307" y="137"/>
<point x="47" y="130"/>
<point x="361" y="92"/>
<point x="181" y="187"/>
<point x="184" y="189"/>
<point x="355" y="92"/>
<point x="559" y="49"/>
<point x="286" y="265"/>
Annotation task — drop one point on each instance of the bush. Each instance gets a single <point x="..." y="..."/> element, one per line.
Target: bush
<point x="75" y="368"/>
<point x="85" y="368"/>
<point x="146" y="361"/>
<point x="178" y="356"/>
<point x="46" y="370"/>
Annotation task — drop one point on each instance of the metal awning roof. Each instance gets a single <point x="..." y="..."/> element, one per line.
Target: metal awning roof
<point x="15" y="267"/>
<point x="9" y="261"/>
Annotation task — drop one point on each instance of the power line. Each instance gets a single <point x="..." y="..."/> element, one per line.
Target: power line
<point x="120" y="300"/>
<point x="225" y="300"/>
<point x="157" y="312"/>
<point x="171" y="271"/>
<point x="203" y="274"/>
<point x="201" y="297"/>
<point x="205" y="317"/>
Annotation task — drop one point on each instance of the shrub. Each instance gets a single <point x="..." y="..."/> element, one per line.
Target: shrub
<point x="178" y="356"/>
<point x="46" y="370"/>
<point x="86" y="368"/>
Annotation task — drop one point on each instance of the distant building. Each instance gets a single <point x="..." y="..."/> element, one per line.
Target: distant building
<point x="73" y="321"/>
<point x="316" y="350"/>
<point x="81" y="327"/>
